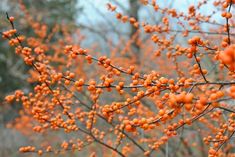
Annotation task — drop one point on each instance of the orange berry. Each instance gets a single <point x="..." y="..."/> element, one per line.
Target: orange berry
<point x="129" y="128"/>
<point x="39" y="152"/>
<point x="203" y="100"/>
<point x="161" y="112"/>
<point x="232" y="89"/>
<point x="188" y="106"/>
<point x="11" y="18"/>
<point x="66" y="82"/>
<point x="188" y="98"/>
<point x="228" y="15"/>
<point x="213" y="96"/>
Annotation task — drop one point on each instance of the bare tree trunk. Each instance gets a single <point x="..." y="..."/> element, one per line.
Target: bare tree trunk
<point x="134" y="8"/>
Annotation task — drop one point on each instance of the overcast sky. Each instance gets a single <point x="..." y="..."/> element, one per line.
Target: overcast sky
<point x="91" y="13"/>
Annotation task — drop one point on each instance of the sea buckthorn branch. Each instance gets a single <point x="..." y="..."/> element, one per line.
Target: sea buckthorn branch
<point x="132" y="102"/>
<point x="83" y="131"/>
<point x="118" y="141"/>
<point x="204" y="112"/>
<point x="121" y="130"/>
<point x="219" y="141"/>
<point x="227" y="22"/>
<point x="225" y="141"/>
<point x="215" y="140"/>
<point x="104" y="60"/>
<point x="182" y="123"/>
<point x="200" y="32"/>
<point x="52" y="123"/>
<point x="224" y="83"/>
<point x="193" y="84"/>
<point x="100" y="142"/>
<point x="119" y="69"/>
<point x="106" y="145"/>
<point x="113" y="125"/>
<point x="142" y="86"/>
<point x="108" y="122"/>
<point x="112" y="86"/>
<point x="226" y="109"/>
<point x="103" y="86"/>
<point x="93" y="109"/>
<point x="49" y="149"/>
<point x="181" y="15"/>
<point x="52" y="92"/>
<point x="207" y="47"/>
<point x="199" y="116"/>
<point x="10" y="19"/>
<point x="174" y="14"/>
<point x="200" y="68"/>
